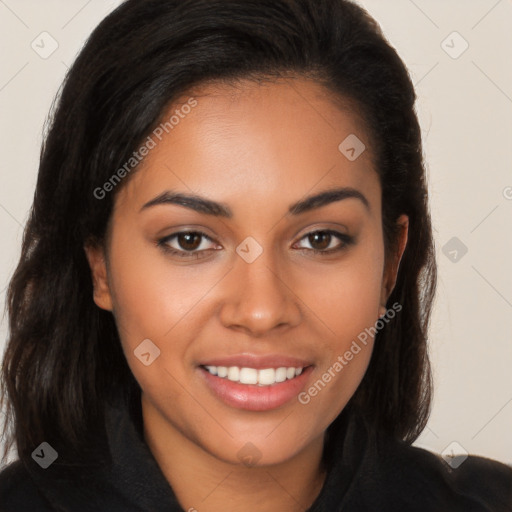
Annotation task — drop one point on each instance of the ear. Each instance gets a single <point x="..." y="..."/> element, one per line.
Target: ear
<point x="391" y="270"/>
<point x="95" y="254"/>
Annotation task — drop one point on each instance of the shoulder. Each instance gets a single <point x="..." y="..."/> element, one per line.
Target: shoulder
<point x="18" y="493"/>
<point x="471" y="484"/>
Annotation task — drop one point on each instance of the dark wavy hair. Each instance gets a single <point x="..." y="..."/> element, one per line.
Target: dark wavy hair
<point x="63" y="357"/>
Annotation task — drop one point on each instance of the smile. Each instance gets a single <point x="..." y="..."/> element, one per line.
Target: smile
<point x="255" y="389"/>
<point x="260" y="377"/>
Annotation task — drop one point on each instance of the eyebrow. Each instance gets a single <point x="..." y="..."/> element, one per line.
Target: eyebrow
<point x="209" y="207"/>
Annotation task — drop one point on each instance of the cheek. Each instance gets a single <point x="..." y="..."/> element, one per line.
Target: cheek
<point x="336" y="379"/>
<point x="159" y="301"/>
<point x="147" y="303"/>
<point x="346" y="297"/>
<point x="150" y="294"/>
<point x="346" y="302"/>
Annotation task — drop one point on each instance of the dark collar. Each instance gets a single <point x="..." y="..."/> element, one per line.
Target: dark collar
<point x="365" y="472"/>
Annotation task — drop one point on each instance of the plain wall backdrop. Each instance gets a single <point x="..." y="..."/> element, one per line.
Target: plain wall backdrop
<point x="459" y="56"/>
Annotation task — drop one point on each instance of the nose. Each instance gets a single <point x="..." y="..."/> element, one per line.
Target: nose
<point x="259" y="298"/>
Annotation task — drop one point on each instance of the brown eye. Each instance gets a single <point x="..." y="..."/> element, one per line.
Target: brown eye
<point x="189" y="241"/>
<point x="187" y="244"/>
<point x="326" y="241"/>
<point x="320" y="240"/>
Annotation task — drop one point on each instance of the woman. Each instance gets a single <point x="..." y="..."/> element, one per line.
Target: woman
<point x="226" y="279"/>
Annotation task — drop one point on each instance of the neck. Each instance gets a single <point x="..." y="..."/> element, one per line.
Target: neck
<point x="202" y="482"/>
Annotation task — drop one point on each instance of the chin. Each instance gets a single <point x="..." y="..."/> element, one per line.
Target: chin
<point x="258" y="450"/>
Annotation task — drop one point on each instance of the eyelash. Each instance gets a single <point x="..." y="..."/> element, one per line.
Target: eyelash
<point x="163" y="243"/>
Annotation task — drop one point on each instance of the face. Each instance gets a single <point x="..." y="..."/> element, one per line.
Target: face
<point x="235" y="305"/>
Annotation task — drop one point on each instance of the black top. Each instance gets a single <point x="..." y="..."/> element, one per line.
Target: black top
<point x="366" y="474"/>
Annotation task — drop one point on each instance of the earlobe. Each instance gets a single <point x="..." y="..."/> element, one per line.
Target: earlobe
<point x="392" y="266"/>
<point x="97" y="262"/>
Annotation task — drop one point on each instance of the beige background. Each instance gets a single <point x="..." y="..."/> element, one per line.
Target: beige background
<point x="465" y="109"/>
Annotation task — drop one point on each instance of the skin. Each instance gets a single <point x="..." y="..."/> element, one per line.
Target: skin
<point x="257" y="148"/>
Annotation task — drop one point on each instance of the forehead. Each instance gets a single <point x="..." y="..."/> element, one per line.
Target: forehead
<point x="267" y="143"/>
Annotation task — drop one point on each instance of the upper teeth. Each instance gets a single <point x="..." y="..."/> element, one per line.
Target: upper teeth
<point x="263" y="377"/>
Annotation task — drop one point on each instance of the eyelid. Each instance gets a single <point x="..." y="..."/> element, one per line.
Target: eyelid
<point x="344" y="241"/>
<point x="163" y="242"/>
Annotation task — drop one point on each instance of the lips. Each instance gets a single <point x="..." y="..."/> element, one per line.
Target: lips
<point x="255" y="383"/>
